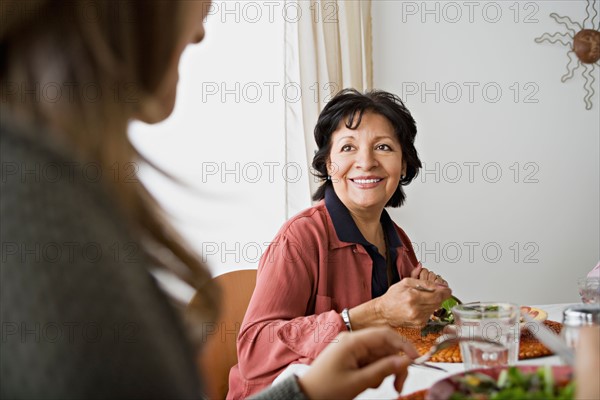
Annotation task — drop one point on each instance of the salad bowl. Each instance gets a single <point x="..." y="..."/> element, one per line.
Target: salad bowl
<point x="520" y="382"/>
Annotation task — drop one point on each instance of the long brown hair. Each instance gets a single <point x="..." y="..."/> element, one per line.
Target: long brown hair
<point x="103" y="56"/>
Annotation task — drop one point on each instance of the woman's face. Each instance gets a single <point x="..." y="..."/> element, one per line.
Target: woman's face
<point x="159" y="105"/>
<point x="365" y="164"/>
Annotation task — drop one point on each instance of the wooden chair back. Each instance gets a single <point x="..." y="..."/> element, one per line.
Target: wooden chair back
<point x="219" y="353"/>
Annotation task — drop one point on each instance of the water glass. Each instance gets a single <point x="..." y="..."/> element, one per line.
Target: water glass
<point x="498" y="322"/>
<point x="589" y="290"/>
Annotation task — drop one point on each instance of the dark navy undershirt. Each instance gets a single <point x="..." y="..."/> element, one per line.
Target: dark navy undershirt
<point x="347" y="231"/>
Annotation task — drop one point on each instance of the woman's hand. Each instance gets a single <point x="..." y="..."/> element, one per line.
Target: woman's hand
<point x="357" y="361"/>
<point x="402" y="305"/>
<point x="424" y="274"/>
<point x="405" y="305"/>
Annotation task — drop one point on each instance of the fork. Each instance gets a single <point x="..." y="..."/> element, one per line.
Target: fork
<point x="443" y="342"/>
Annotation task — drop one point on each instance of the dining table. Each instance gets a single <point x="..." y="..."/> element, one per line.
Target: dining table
<point x="420" y="378"/>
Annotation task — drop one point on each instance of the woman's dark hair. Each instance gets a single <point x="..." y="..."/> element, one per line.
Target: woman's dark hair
<point x="348" y="106"/>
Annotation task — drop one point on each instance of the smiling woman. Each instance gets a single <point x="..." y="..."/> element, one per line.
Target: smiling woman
<point x="342" y="264"/>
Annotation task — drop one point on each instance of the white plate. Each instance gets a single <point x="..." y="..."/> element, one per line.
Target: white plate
<point x="537" y="314"/>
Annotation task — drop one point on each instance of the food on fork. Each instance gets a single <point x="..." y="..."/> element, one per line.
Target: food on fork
<point x="441" y="317"/>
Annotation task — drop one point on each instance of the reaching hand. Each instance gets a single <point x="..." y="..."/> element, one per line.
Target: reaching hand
<point x="358" y="361"/>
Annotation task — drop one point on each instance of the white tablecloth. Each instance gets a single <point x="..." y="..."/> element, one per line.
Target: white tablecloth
<point x="421" y="378"/>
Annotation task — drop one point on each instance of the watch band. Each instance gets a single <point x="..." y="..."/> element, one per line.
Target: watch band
<point x="346" y="318"/>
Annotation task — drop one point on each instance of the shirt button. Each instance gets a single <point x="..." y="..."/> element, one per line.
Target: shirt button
<point x="354" y="250"/>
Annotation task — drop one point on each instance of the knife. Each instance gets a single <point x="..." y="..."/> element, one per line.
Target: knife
<point x="427" y="365"/>
<point x="550" y="339"/>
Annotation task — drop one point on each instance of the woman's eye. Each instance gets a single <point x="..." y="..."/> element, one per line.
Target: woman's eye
<point x="346" y="147"/>
<point x="383" y="147"/>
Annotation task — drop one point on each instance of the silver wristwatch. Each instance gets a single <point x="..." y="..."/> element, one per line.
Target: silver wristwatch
<point x="346" y="318"/>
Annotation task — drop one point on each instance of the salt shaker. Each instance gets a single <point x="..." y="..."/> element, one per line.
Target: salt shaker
<point x="575" y="317"/>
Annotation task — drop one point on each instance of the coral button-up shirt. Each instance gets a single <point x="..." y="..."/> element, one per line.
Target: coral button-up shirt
<point x="305" y="279"/>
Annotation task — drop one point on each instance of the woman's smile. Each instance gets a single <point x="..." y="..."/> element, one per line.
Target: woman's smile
<point x="366" y="182"/>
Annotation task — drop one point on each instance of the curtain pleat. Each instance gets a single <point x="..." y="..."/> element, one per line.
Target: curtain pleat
<point x="327" y="49"/>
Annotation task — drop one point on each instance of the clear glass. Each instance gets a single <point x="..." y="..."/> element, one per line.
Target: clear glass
<point x="589" y="290"/>
<point x="495" y="321"/>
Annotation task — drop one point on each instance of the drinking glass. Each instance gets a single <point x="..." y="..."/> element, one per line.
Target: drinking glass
<point x="589" y="290"/>
<point x="498" y="322"/>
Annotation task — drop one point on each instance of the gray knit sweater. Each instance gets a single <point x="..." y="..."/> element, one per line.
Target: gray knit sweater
<point x="81" y="316"/>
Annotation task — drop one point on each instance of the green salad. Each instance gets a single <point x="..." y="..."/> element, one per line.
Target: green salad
<point x="513" y="384"/>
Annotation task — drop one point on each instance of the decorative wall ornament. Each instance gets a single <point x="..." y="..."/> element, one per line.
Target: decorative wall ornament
<point x="584" y="43"/>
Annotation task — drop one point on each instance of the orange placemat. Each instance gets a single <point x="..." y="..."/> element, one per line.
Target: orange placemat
<point x="529" y="346"/>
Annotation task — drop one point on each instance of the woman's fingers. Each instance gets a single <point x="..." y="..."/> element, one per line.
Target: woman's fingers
<point x="415" y="273"/>
<point x="385" y="343"/>
<point x="427" y="275"/>
<point x="439" y="279"/>
<point x="359" y="360"/>
<point x="373" y="374"/>
<point x="381" y="358"/>
<point x="374" y="343"/>
<point x="424" y="274"/>
<point x="401" y="376"/>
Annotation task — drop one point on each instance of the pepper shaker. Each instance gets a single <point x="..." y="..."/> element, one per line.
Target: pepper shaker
<point x="574" y="317"/>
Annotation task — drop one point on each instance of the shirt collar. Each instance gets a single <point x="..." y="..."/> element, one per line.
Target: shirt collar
<point x="346" y="228"/>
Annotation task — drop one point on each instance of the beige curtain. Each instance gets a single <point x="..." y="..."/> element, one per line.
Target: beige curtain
<point x="327" y="48"/>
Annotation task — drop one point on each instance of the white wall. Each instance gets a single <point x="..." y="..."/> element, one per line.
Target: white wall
<point x="226" y="137"/>
<point x="542" y="213"/>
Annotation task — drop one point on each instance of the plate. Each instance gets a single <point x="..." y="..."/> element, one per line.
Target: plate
<point x="443" y="389"/>
<point x="535" y="313"/>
